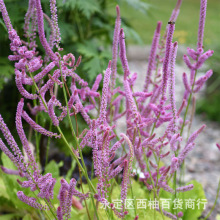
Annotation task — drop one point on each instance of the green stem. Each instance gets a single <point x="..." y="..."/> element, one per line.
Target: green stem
<point x="48" y="145"/>
<point x="216" y="199"/>
<point x="84" y="169"/>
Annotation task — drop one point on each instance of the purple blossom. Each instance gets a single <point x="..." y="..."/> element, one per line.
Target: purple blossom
<point x="122" y="53"/>
<point x="42" y="37"/>
<point x="166" y="62"/>
<point x="22" y="90"/>
<point x="53" y="10"/>
<point x="115" y="48"/>
<point x="23" y="138"/>
<point x="172" y="85"/>
<point x="203" y="6"/>
<point x="30" y="201"/>
<point x="185" y="188"/>
<point x="152" y="56"/>
<point x="51" y="112"/>
<point x="102" y="115"/>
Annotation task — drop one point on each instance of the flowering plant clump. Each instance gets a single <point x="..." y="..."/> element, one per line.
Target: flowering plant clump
<point x="141" y="145"/>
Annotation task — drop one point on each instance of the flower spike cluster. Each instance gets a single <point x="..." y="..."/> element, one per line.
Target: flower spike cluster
<point x="145" y="111"/>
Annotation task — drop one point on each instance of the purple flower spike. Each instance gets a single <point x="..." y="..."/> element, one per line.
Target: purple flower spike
<point x="53" y="10"/>
<point x="8" y="153"/>
<point x="122" y="53"/>
<point x="186" y="84"/>
<point x="69" y="197"/>
<point x="203" y="6"/>
<point x="166" y="60"/>
<point x="195" y="134"/>
<point x="40" y="75"/>
<point x="19" y="160"/>
<point x="51" y="112"/>
<point x="168" y="214"/>
<point x="180" y="214"/>
<point x="124" y="184"/>
<point x="22" y="136"/>
<point x="152" y="56"/>
<point x="185" y="188"/>
<point x="20" y="87"/>
<point x="172" y="85"/>
<point x="115" y="48"/>
<point x="42" y="37"/>
<point x="189" y="145"/>
<point x="218" y="146"/>
<point x="5" y="16"/>
<point x="102" y="116"/>
<point x="176" y="10"/>
<point x="59" y="213"/>
<point x="27" y="19"/>
<point x="37" y="127"/>
<point x="30" y="201"/>
<point x="174" y="165"/>
<point x="9" y="171"/>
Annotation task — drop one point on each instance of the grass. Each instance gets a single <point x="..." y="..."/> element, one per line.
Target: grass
<point x="186" y="24"/>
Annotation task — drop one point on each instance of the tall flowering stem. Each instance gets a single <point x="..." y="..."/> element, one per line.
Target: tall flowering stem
<point x="147" y="110"/>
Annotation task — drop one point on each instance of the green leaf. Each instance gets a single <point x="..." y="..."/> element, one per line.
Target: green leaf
<point x="88" y="7"/>
<point x="53" y="168"/>
<point x="9" y="216"/>
<point x="3" y="191"/>
<point x="3" y="25"/>
<point x="131" y="34"/>
<point x="27" y="217"/>
<point x="70" y="171"/>
<point x="6" y="71"/>
<point x="88" y="49"/>
<point x="7" y="162"/>
<point x="193" y="195"/>
<point x="93" y="67"/>
<point x="68" y="4"/>
<point x="139" y="5"/>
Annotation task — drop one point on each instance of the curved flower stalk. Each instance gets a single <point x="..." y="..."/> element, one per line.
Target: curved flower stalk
<point x="56" y="37"/>
<point x="67" y="191"/>
<point x="115" y="48"/>
<point x="152" y="56"/>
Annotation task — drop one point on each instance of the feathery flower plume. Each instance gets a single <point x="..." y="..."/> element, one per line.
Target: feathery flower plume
<point x="152" y="56"/>
<point x="122" y="53"/>
<point x="41" y="33"/>
<point x="185" y="188"/>
<point x="102" y="115"/>
<point x="30" y="201"/>
<point x="37" y="127"/>
<point x="51" y="112"/>
<point x="16" y="157"/>
<point x="176" y="10"/>
<point x="9" y="171"/>
<point x="53" y="10"/>
<point x="5" y="16"/>
<point x="172" y="85"/>
<point x="115" y="48"/>
<point x="23" y="138"/>
<point x="166" y="61"/>
<point x="203" y="6"/>
<point x="22" y="90"/>
<point x="168" y="214"/>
